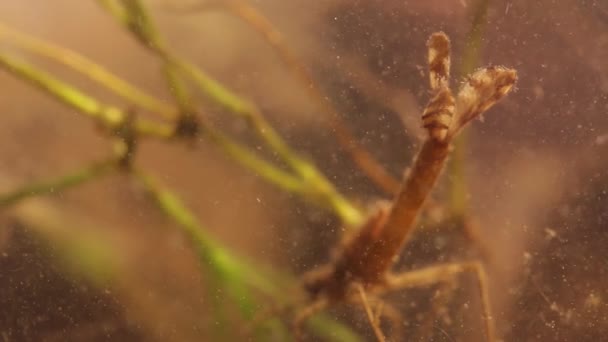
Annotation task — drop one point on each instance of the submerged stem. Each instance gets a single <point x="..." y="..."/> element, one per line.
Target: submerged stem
<point x="58" y="184"/>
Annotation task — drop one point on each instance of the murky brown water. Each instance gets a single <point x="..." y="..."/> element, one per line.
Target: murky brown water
<point x="536" y="170"/>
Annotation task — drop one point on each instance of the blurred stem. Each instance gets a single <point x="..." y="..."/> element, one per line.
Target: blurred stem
<point x="474" y="38"/>
<point x="254" y="19"/>
<point x="116" y="9"/>
<point x="63" y="92"/>
<point x="312" y="178"/>
<point x="331" y="330"/>
<point x="233" y="273"/>
<point x="214" y="90"/>
<point x="110" y="117"/>
<point x="113" y="117"/>
<point x="245" y="157"/>
<point x="208" y="250"/>
<point x="88" y="68"/>
<point x="314" y="188"/>
<point x="141" y="26"/>
<point x="55" y="185"/>
<point x="473" y="42"/>
<point x="225" y="272"/>
<point x="323" y="189"/>
<point x="83" y="253"/>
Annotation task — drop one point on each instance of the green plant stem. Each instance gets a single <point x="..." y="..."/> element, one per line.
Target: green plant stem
<point x="267" y="171"/>
<point x="232" y="272"/>
<point x="470" y="60"/>
<point x="113" y="117"/>
<point x="331" y="330"/>
<point x="88" y="68"/>
<point x="109" y="116"/>
<point x="58" y="184"/>
<point x="62" y="91"/>
<point x="473" y="41"/>
<point x="256" y="21"/>
<point x="245" y="110"/>
<point x="319" y="193"/>
<point x="115" y="9"/>
<point x="207" y="249"/>
<point x="142" y="27"/>
<point x="86" y="254"/>
<point x="314" y="187"/>
<point x="140" y="24"/>
<point x="214" y="90"/>
<point x="225" y="270"/>
<point x="311" y="176"/>
<point x="322" y="189"/>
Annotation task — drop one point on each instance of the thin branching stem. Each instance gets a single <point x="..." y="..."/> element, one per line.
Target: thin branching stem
<point x="267" y="171"/>
<point x="88" y="68"/>
<point x="62" y="91"/>
<point x="232" y="272"/>
<point x="252" y="17"/>
<point x="227" y="272"/>
<point x="306" y="171"/>
<point x="58" y="184"/>
<point x="138" y="21"/>
<point x="110" y="117"/>
<point x="322" y="189"/>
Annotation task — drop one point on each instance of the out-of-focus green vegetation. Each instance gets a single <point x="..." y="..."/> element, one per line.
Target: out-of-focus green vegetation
<point x="249" y="287"/>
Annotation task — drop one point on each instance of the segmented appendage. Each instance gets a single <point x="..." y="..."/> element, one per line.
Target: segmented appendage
<point x="437" y="115"/>
<point x="482" y="90"/>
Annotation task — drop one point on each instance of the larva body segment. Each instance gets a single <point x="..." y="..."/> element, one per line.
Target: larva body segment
<point x="437" y="115"/>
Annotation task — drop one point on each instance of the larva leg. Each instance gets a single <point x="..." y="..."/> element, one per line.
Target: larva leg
<point x="303" y="315"/>
<point x="446" y="272"/>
